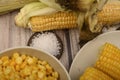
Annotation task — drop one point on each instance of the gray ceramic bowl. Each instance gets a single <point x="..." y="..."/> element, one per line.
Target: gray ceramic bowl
<point x="41" y="55"/>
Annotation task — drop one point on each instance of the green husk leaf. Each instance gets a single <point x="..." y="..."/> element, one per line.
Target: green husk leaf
<point x="44" y="11"/>
<point x="1" y="13"/>
<point x="85" y="5"/>
<point x="52" y="4"/>
<point x="10" y="5"/>
<point x="32" y="9"/>
<point x="80" y="20"/>
<point x="22" y="18"/>
<point x="101" y="3"/>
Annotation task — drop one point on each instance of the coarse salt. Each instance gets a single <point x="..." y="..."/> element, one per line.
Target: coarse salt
<point x="47" y="42"/>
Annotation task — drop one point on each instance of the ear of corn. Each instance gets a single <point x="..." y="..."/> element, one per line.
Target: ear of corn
<point x="64" y="19"/>
<point x="94" y="74"/>
<point x="59" y="20"/>
<point x="109" y="61"/>
<point x="110" y="13"/>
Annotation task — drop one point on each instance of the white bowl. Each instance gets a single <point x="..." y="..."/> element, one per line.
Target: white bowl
<point x="57" y="66"/>
<point x="88" y="54"/>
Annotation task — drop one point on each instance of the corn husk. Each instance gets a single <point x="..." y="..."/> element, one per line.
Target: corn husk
<point x="32" y="9"/>
<point x="10" y="5"/>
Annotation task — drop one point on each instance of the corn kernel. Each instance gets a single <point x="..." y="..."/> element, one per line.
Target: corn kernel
<point x="15" y="55"/>
<point x="27" y="71"/>
<point x="49" y="69"/>
<point x="5" y="63"/>
<point x="44" y="63"/>
<point x="12" y="63"/>
<point x="23" y="56"/>
<point x="29" y="60"/>
<point x="7" y="71"/>
<point x="51" y="78"/>
<point x="18" y="60"/>
<point x="5" y="58"/>
<point x="1" y="62"/>
<point x="17" y="68"/>
<point x="41" y="67"/>
<point x="23" y="65"/>
<point x="55" y="74"/>
<point x="41" y="75"/>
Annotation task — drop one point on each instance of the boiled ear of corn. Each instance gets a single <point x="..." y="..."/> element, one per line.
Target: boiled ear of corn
<point x="94" y="74"/>
<point x="109" y="61"/>
<point x="59" y="20"/>
<point x="10" y="5"/>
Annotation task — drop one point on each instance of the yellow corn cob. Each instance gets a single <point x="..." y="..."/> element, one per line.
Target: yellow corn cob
<point x="59" y="20"/>
<point x="109" y="61"/>
<point x="94" y="74"/>
<point x="110" y="13"/>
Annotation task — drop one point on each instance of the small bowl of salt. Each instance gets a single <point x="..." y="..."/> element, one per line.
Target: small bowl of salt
<point x="47" y="41"/>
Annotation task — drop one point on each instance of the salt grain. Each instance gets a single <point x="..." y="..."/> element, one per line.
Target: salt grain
<point x="47" y="42"/>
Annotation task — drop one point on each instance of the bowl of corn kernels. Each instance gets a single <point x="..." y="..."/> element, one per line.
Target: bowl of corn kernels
<point x="26" y="63"/>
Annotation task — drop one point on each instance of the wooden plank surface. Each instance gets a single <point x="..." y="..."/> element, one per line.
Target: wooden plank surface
<point x="13" y="36"/>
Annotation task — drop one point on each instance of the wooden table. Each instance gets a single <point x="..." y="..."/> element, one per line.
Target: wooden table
<point x="13" y="36"/>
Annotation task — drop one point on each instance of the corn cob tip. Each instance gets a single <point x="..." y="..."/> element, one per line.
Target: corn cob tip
<point x="19" y="21"/>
